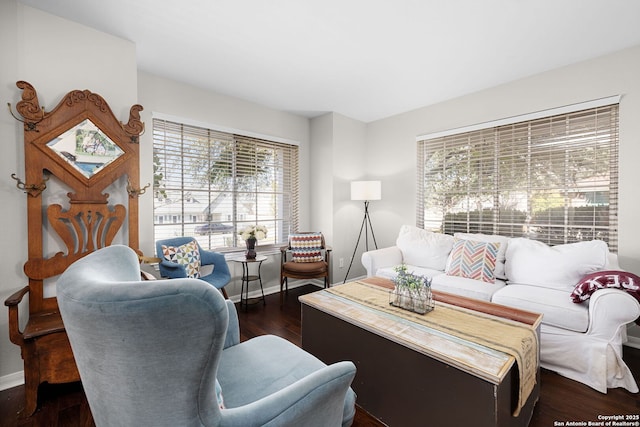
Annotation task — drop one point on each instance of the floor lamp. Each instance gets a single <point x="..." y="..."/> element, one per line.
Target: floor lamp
<point x="364" y="191"/>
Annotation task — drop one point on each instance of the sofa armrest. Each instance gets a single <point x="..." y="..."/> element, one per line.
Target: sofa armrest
<point x="609" y="310"/>
<point x="380" y="258"/>
<point x="612" y="262"/>
<point x="172" y="270"/>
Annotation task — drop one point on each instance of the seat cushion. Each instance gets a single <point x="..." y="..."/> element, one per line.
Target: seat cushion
<point x="304" y="268"/>
<point x="555" y="305"/>
<point x="390" y="272"/>
<point x="465" y="287"/>
<point x="273" y="363"/>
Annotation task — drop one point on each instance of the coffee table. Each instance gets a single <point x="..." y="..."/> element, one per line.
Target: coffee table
<point x="412" y="374"/>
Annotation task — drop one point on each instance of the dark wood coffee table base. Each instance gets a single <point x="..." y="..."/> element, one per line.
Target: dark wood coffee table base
<point x="402" y="387"/>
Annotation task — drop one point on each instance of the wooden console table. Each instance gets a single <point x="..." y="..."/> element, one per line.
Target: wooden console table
<point x="410" y="374"/>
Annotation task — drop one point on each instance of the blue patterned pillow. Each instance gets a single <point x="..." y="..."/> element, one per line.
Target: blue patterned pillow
<point x="187" y="255"/>
<point x="473" y="260"/>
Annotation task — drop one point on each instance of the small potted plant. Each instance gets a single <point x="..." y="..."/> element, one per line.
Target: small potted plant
<point x="412" y="292"/>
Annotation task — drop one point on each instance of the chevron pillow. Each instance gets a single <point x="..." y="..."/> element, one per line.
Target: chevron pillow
<point x="473" y="260"/>
<point x="306" y="247"/>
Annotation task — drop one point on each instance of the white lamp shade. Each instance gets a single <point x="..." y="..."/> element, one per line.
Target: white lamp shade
<point x="366" y="190"/>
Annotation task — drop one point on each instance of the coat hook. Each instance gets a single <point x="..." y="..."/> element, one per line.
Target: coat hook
<point x="30" y="126"/>
<point x="135" y="139"/>
<point x="136" y="192"/>
<point x="33" y="190"/>
<point x="135" y="127"/>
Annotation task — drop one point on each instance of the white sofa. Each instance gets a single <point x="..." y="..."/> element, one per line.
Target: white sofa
<point x="580" y="341"/>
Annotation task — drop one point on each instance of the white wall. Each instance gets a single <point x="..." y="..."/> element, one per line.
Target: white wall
<point x="391" y="143"/>
<point x="13" y="206"/>
<point x="321" y="167"/>
<point x="337" y="154"/>
<point x="349" y="164"/>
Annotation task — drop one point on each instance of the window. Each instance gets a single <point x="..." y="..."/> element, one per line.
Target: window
<point x="211" y="184"/>
<point x="553" y="178"/>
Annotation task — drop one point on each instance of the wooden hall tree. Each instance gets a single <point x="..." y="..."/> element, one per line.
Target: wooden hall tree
<point x="79" y="146"/>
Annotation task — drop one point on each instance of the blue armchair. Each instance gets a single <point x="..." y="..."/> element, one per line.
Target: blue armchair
<point x="158" y="353"/>
<point x="220" y="276"/>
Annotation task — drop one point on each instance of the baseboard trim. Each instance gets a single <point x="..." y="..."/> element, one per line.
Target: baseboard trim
<point x="633" y="342"/>
<point x="276" y="289"/>
<point x="633" y="336"/>
<point x="11" y="380"/>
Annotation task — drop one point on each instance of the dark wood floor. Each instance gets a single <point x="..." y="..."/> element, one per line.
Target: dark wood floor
<point x="561" y="400"/>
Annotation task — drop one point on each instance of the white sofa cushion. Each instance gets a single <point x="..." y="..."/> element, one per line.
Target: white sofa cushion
<point x="530" y="262"/>
<point x="424" y="248"/>
<point x="390" y="273"/>
<point x="554" y="304"/>
<point x="492" y="238"/>
<point x="466" y="287"/>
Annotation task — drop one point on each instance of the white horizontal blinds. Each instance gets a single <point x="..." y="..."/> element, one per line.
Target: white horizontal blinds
<point x="459" y="182"/>
<point x="266" y="180"/>
<point x="420" y="185"/>
<point x="210" y="184"/>
<point x="552" y="179"/>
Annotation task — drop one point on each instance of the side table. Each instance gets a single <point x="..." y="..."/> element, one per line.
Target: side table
<point x="247" y="278"/>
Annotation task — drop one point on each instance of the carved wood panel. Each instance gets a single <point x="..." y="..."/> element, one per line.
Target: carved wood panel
<point x="87" y="149"/>
<point x="82" y="145"/>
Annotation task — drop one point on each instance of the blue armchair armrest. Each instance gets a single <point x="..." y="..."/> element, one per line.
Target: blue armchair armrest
<point x="233" y="328"/>
<point x="211" y="257"/>
<point x="172" y="270"/>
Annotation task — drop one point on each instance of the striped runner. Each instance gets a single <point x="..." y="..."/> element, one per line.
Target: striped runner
<point x="516" y="339"/>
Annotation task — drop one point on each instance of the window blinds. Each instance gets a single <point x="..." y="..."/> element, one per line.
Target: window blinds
<point x="553" y="179"/>
<point x="210" y="185"/>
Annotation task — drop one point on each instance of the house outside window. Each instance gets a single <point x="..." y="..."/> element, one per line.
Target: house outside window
<point x="552" y="178"/>
<point x="213" y="184"/>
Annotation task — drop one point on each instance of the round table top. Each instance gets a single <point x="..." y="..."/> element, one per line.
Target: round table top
<point x="258" y="258"/>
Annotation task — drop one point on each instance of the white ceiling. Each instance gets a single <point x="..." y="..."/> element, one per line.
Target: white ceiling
<point x="365" y="59"/>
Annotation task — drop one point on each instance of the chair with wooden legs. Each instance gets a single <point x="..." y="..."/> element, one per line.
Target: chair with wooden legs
<point x="305" y="257"/>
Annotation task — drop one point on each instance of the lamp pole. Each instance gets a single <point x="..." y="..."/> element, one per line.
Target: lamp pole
<point x="365" y="191"/>
<point x="366" y="225"/>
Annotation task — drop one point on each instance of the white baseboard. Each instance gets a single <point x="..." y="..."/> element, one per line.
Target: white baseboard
<point x="633" y="343"/>
<point x="276" y="289"/>
<point x="633" y="336"/>
<point x="11" y="380"/>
